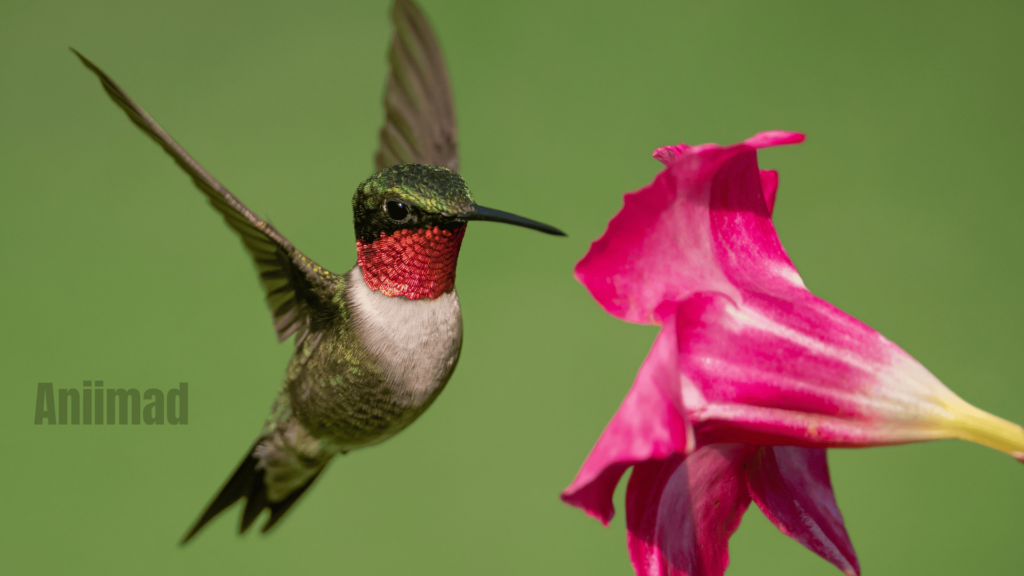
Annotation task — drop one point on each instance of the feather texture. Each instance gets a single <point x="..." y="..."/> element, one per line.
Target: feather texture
<point x="298" y="290"/>
<point x="419" y="121"/>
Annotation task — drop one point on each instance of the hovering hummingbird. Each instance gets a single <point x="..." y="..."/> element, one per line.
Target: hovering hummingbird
<point x="374" y="346"/>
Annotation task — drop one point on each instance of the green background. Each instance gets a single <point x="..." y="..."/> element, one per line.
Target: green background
<point x="902" y="208"/>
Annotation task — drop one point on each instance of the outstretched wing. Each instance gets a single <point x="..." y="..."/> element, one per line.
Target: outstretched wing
<point x="299" y="291"/>
<point x="419" y="122"/>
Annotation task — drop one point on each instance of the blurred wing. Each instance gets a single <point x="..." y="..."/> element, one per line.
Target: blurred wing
<point x="419" y="122"/>
<point x="298" y="290"/>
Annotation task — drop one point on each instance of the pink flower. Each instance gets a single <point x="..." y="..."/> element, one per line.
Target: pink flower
<point x="750" y="378"/>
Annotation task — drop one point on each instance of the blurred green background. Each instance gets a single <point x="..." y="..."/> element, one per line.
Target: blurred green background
<point x="902" y="208"/>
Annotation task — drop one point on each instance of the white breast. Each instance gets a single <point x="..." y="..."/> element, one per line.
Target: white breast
<point x="416" y="342"/>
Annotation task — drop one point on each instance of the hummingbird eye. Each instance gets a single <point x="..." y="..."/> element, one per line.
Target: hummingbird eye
<point x="396" y="210"/>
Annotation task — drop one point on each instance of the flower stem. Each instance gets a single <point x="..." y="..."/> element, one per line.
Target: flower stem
<point x="976" y="425"/>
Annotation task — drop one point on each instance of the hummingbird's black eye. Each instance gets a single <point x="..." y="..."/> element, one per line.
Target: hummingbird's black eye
<point x="396" y="209"/>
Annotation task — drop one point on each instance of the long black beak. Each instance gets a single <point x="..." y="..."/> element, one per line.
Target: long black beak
<point x="478" y="212"/>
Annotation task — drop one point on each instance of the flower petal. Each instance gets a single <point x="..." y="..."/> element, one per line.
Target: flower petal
<point x="774" y="138"/>
<point x="667" y="154"/>
<point x="762" y="360"/>
<point x="799" y="371"/>
<point x="681" y="512"/>
<point x="661" y="247"/>
<point x="791" y="486"/>
<point x="769" y="186"/>
<point x="750" y="377"/>
<point x="646" y="426"/>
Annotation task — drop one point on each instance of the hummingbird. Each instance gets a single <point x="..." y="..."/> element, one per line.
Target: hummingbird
<point x="374" y="346"/>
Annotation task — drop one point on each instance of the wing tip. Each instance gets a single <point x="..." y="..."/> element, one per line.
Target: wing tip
<point x="429" y="115"/>
<point x="88" y="63"/>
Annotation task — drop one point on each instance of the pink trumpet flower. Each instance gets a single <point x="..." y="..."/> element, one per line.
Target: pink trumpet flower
<point x="750" y="378"/>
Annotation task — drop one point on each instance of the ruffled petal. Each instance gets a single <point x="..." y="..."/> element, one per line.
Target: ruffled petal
<point x="791" y="486"/>
<point x="681" y="512"/>
<point x="646" y="426"/>
<point x="663" y="245"/>
<point x="667" y="154"/>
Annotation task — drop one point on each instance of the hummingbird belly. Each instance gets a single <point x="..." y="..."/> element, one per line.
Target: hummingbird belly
<point x="371" y="375"/>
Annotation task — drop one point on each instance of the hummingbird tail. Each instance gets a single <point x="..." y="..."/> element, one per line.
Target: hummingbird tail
<point x="248" y="482"/>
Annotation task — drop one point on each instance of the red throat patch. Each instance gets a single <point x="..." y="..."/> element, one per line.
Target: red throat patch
<point x="412" y="263"/>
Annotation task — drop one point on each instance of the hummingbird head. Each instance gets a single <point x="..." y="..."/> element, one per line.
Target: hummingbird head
<point x="409" y="222"/>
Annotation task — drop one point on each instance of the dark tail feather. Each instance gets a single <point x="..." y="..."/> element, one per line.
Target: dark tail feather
<point x="247" y="482"/>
